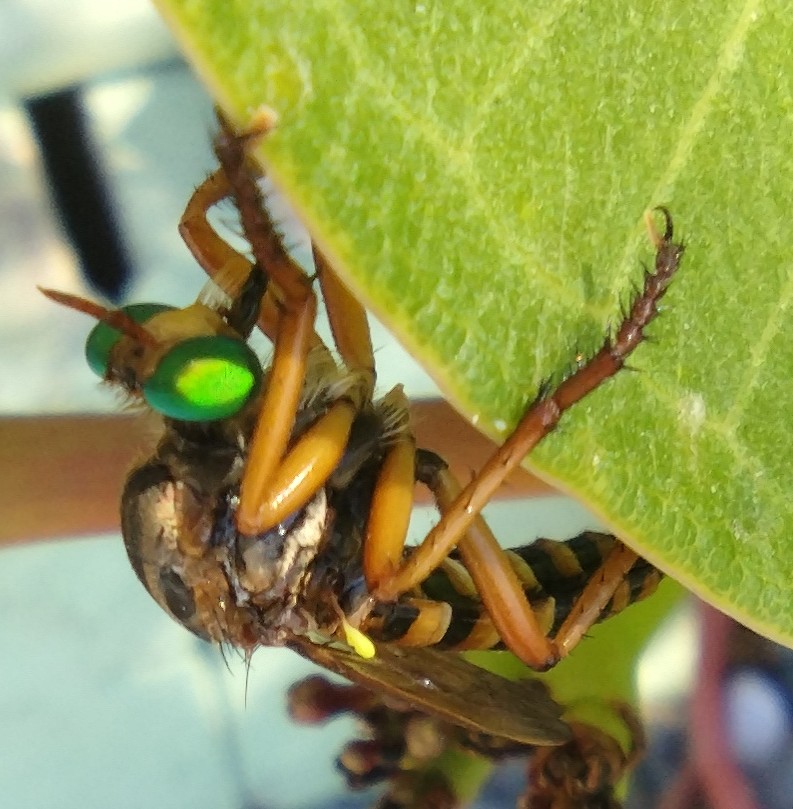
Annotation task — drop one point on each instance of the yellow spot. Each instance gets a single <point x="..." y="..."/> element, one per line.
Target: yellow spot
<point x="359" y="642"/>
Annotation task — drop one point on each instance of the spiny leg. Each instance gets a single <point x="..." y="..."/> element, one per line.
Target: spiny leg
<point x="347" y="317"/>
<point x="225" y="265"/>
<point x="276" y="482"/>
<point x="539" y="420"/>
<point x="232" y="150"/>
<point x="593" y="599"/>
<point x="228" y="268"/>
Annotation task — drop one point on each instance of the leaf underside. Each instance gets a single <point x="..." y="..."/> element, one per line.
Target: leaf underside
<point x="480" y="170"/>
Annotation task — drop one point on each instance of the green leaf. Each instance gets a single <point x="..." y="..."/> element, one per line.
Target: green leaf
<point x="480" y="171"/>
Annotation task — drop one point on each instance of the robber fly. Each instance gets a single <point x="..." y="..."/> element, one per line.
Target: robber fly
<point x="275" y="508"/>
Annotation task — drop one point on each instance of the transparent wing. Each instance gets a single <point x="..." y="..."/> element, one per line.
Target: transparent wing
<point x="445" y="685"/>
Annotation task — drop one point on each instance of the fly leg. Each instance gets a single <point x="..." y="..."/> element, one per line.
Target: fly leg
<point x="594" y="597"/>
<point x="348" y="323"/>
<point x="279" y="479"/>
<point x="228" y="268"/>
<point x="496" y="581"/>
<point x="392" y="500"/>
<point x="541" y="418"/>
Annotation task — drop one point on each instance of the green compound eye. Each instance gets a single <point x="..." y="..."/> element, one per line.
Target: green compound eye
<point x="102" y="338"/>
<point x="204" y="379"/>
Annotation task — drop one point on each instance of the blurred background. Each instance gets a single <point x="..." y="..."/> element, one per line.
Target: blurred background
<point x="104" y="701"/>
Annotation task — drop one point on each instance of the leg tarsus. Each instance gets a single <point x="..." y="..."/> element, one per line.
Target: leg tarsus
<point x="652" y="231"/>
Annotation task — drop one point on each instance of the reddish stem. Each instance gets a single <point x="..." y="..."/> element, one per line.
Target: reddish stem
<point x="721" y="778"/>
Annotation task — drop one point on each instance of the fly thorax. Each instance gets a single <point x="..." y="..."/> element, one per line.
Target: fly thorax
<point x="210" y="457"/>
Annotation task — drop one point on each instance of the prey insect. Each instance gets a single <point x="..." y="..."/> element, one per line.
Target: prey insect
<point x="275" y="508"/>
<point x="404" y="748"/>
<point x="585" y="772"/>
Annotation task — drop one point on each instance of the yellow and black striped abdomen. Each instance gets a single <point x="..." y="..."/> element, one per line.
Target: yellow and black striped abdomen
<point x="448" y="613"/>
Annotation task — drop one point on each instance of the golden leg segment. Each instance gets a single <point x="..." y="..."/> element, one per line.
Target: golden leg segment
<point x="430" y="625"/>
<point x="277" y="415"/>
<point x="303" y="470"/>
<point x="389" y="514"/>
<point x="461" y="514"/>
<point x="207" y="247"/>
<point x="224" y="265"/>
<point x="348" y="322"/>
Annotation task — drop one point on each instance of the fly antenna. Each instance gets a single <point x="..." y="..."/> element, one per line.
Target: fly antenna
<point x="115" y="318"/>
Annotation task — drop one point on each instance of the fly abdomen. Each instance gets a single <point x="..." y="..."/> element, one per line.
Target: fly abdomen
<point x="559" y="571"/>
<point x="448" y="613"/>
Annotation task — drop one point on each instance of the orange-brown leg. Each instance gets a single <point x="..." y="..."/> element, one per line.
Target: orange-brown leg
<point x="594" y="597"/>
<point x="224" y="265"/>
<point x="392" y="501"/>
<point x="211" y="251"/>
<point x="540" y="419"/>
<point x="290" y="325"/>
<point x="227" y="267"/>
<point x="391" y="505"/>
<point x="496" y="581"/>
<point x="277" y="482"/>
<point x="348" y="323"/>
<point x="500" y="589"/>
